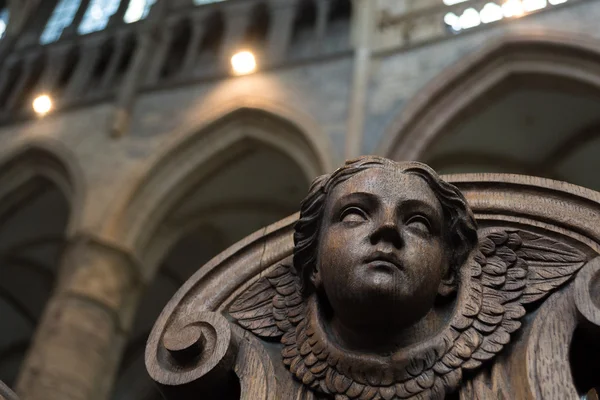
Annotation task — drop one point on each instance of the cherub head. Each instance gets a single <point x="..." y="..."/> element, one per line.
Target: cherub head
<point x="380" y="240"/>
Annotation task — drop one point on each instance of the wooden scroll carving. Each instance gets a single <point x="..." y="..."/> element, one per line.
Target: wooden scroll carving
<point x="393" y="283"/>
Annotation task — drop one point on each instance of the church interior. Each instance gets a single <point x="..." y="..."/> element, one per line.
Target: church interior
<point x="141" y="138"/>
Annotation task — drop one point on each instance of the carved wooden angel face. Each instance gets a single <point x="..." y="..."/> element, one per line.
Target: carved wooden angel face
<point x="381" y="255"/>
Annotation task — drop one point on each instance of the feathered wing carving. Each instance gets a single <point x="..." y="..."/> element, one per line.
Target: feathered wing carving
<point x="510" y="269"/>
<point x="272" y="305"/>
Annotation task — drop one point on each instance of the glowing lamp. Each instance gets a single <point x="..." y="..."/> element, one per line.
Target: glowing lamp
<point x="243" y="63"/>
<point x="42" y="104"/>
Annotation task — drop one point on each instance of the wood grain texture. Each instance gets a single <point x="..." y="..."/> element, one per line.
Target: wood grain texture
<point x="534" y="236"/>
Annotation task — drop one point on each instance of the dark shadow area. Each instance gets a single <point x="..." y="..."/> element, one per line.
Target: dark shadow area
<point x="177" y="50"/>
<point x="584" y="357"/>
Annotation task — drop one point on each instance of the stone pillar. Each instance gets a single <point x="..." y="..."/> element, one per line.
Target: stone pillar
<point x="363" y="19"/>
<point x="161" y="52"/>
<point x="79" y="341"/>
<point x="83" y="71"/>
<point x="198" y="31"/>
<point x="21" y="85"/>
<point x="283" y="13"/>
<point x="5" y="79"/>
<point x="108" y="77"/>
<point x="134" y="76"/>
<point x="117" y="18"/>
<point x="55" y="65"/>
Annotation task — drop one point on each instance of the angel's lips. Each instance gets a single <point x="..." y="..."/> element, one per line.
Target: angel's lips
<point x="384" y="261"/>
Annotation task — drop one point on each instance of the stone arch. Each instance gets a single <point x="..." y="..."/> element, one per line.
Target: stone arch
<point x="212" y="187"/>
<point x="200" y="152"/>
<point x="567" y="59"/>
<point x="51" y="160"/>
<point x="40" y="204"/>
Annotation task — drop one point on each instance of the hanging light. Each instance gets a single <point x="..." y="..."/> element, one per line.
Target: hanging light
<point x="42" y="104"/>
<point x="243" y="62"/>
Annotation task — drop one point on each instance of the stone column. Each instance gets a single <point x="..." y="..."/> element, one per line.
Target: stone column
<point x="79" y="341"/>
<point x="363" y="19"/>
<point x="283" y="13"/>
<point x="55" y="65"/>
<point x="83" y="71"/>
<point x="21" y="85"/>
<point x="134" y="76"/>
<point x="161" y="51"/>
<point x="198" y="31"/>
<point x="107" y="79"/>
<point x="5" y="79"/>
<point x="117" y="18"/>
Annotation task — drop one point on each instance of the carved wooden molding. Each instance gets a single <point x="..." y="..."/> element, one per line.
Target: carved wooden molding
<point x="6" y="393"/>
<point x="248" y="315"/>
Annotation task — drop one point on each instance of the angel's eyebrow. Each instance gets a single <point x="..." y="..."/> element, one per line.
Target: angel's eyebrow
<point x="420" y="205"/>
<point x="355" y="197"/>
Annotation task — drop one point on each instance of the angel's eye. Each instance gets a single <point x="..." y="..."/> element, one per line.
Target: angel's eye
<point x="353" y="214"/>
<point x="420" y="223"/>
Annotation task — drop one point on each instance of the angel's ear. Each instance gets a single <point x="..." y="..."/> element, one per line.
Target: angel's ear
<point x="448" y="284"/>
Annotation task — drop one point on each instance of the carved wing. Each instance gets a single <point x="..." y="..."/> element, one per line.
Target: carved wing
<point x="511" y="269"/>
<point x="271" y="304"/>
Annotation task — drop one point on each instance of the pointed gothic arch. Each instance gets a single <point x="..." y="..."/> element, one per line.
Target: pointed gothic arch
<point x="541" y="57"/>
<point x="40" y="201"/>
<point x="201" y="152"/>
<point x="48" y="159"/>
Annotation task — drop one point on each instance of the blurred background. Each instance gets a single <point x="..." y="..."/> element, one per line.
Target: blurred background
<point x="139" y="138"/>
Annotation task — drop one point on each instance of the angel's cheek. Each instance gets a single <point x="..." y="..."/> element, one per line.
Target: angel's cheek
<point x="425" y="263"/>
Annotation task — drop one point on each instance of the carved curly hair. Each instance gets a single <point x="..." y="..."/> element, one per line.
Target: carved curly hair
<point x="460" y="229"/>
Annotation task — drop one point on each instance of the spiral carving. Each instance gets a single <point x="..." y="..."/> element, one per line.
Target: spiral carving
<point x="193" y="353"/>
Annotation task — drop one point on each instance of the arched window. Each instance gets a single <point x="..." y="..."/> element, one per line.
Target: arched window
<point x="462" y="19"/>
<point x="137" y="10"/>
<point x="97" y="15"/>
<point x="4" y="15"/>
<point x="61" y="17"/>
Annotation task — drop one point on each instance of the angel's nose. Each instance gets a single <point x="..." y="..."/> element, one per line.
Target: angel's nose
<point x="388" y="231"/>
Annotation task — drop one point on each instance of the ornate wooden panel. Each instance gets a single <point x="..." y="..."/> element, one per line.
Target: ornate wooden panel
<point x="394" y="283"/>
